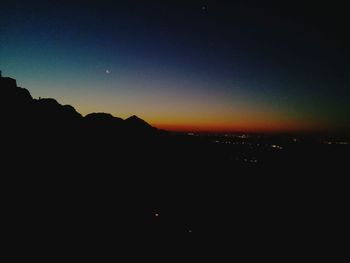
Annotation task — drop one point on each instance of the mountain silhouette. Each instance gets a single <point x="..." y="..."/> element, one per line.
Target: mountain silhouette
<point x="49" y="112"/>
<point x="136" y="122"/>
<point x="134" y="125"/>
<point x="70" y="179"/>
<point x="20" y="106"/>
<point x="14" y="98"/>
<point x="103" y="118"/>
<point x="103" y="121"/>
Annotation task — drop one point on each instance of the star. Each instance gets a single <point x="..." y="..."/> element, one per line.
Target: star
<point x="204" y="7"/>
<point x="108" y="71"/>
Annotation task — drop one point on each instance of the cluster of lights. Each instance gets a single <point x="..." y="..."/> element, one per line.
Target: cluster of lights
<point x="230" y="142"/>
<point x="250" y="160"/>
<point x="277" y="147"/>
<point x="338" y="143"/>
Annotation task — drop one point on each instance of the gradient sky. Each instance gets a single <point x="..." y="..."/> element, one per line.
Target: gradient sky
<point x="193" y="65"/>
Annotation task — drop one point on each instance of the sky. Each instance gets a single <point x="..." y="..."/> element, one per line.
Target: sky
<point x="252" y="66"/>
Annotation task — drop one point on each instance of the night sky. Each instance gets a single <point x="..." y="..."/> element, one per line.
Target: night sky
<point x="254" y="66"/>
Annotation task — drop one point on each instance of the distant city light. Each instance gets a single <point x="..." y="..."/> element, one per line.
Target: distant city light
<point x="338" y="143"/>
<point x="276" y="147"/>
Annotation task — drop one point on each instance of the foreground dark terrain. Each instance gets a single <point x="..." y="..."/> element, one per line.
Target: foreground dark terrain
<point x="74" y="183"/>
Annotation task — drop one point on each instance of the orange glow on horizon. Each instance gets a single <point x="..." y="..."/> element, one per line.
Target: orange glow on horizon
<point x="251" y="128"/>
<point x="218" y="119"/>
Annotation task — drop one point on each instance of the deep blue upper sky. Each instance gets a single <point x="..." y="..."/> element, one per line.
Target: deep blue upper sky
<point x="206" y="64"/>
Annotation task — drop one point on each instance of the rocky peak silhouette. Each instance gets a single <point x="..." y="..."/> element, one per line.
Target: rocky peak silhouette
<point x="102" y="117"/>
<point x="18" y="104"/>
<point x="12" y="93"/>
<point x="137" y="123"/>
